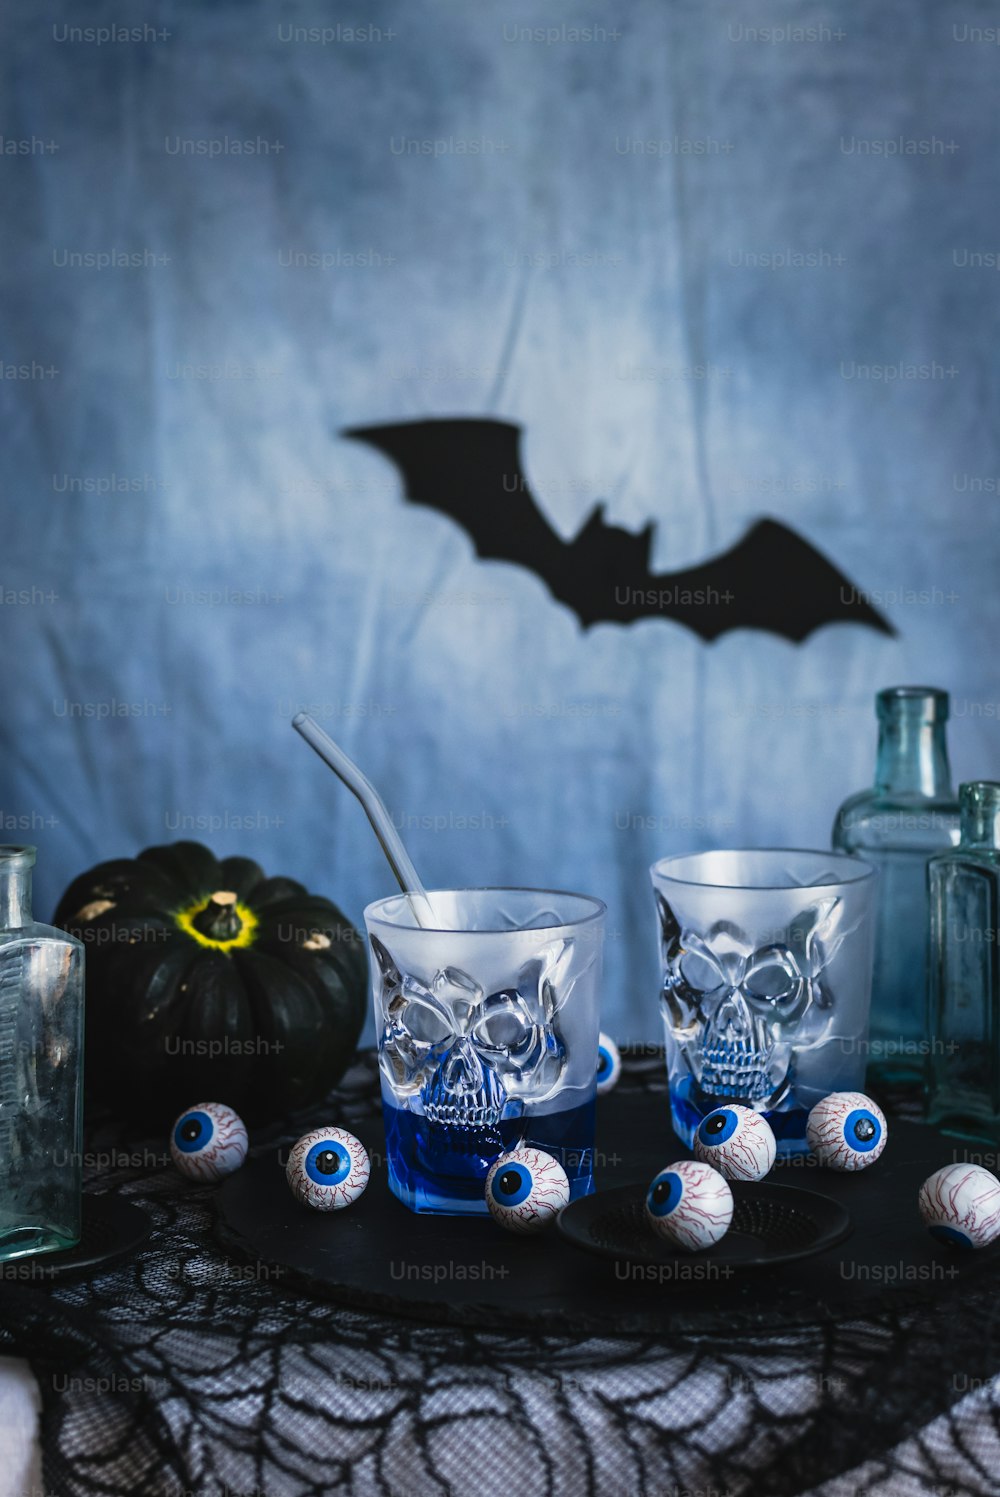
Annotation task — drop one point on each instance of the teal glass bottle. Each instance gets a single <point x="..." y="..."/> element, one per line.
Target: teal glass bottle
<point x="964" y="991"/>
<point x="41" y="1064"/>
<point x="909" y="815"/>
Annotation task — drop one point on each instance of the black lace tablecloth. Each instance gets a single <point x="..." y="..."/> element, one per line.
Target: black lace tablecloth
<point x="182" y="1372"/>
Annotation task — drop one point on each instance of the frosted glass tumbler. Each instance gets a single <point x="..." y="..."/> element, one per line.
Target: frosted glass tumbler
<point x="487" y="1037"/>
<point x="767" y="969"/>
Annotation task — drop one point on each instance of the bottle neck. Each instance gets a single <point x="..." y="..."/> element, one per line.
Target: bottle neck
<point x="980" y="806"/>
<point x="15" y="898"/>
<point x="912" y="758"/>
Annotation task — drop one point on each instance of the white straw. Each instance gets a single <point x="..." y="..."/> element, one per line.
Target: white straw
<point x="359" y="784"/>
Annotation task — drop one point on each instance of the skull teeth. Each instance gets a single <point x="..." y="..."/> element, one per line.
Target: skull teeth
<point x="464" y="1096"/>
<point x="727" y="1071"/>
<point x="450" y="1115"/>
<point x="738" y="1060"/>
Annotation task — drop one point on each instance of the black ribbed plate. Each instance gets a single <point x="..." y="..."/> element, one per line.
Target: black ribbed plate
<point x="771" y="1224"/>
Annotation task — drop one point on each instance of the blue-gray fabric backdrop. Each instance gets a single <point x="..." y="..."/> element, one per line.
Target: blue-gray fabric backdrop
<point x="720" y="261"/>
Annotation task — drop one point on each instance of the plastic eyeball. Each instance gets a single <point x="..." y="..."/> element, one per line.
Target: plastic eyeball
<point x="208" y="1141"/>
<point x="960" y="1205"/>
<point x="525" y="1189"/>
<point x="847" y="1131"/>
<point x="736" y="1141"/>
<point x="689" y="1205"/>
<point x="609" y="1064"/>
<point x="327" y="1169"/>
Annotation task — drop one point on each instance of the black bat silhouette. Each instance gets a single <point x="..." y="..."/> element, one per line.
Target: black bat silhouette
<point x="470" y="469"/>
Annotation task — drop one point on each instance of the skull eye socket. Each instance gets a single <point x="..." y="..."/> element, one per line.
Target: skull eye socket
<point x="500" y="1031"/>
<point x="699" y="973"/>
<point x="773" y="977"/>
<point x="422" y="1023"/>
<point x="504" y="1024"/>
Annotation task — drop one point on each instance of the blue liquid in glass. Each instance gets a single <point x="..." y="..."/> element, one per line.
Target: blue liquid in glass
<point x="688" y="1108"/>
<point x="436" y="1168"/>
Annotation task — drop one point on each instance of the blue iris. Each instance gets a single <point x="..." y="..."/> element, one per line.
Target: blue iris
<point x="193" y="1132"/>
<point x="327" y="1162"/>
<point x="862" y="1130"/>
<point x="951" y="1235"/>
<point x="664" y="1193"/>
<point x="719" y="1126"/>
<point x="511" y="1184"/>
<point x="605" y="1064"/>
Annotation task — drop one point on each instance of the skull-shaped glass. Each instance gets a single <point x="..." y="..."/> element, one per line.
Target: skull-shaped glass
<point x="766" y="961"/>
<point x="487" y="1037"/>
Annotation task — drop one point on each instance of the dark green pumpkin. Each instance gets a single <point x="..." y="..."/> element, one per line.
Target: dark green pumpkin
<point x="207" y="981"/>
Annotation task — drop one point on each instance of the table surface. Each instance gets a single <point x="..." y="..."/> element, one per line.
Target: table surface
<point x="183" y="1370"/>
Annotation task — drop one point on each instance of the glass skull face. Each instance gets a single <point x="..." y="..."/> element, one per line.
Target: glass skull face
<point x="469" y="1060"/>
<point x="738" y="1011"/>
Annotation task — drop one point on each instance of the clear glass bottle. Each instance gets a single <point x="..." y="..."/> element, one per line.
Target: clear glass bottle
<point x="41" y="1065"/>
<point x="910" y="814"/>
<point x="964" y="994"/>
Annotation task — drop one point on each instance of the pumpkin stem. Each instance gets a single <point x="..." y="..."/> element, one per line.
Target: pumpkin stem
<point x="219" y="920"/>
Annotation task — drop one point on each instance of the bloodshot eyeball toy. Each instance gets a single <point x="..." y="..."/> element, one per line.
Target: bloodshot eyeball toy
<point x="736" y="1141"/>
<point x="525" y="1189"/>
<point x="689" y="1205"/>
<point x="960" y="1205"/>
<point x="609" y="1064"/>
<point x="327" y="1169"/>
<point x="208" y="1141"/>
<point x="847" y="1131"/>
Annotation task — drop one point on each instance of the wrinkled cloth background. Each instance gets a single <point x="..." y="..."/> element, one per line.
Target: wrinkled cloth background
<point x="561" y="278"/>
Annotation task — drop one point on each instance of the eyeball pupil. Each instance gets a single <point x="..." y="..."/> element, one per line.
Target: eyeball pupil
<point x="509" y="1183"/>
<point x="190" y="1130"/>
<point x="327" y="1162"/>
<point x="660" y="1192"/>
<point x="864" y="1129"/>
<point x="716" y="1124"/>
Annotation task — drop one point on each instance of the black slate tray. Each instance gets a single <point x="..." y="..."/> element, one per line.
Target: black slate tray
<point x="112" y="1229"/>
<point x="467" y="1271"/>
